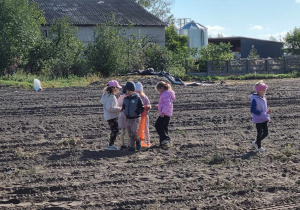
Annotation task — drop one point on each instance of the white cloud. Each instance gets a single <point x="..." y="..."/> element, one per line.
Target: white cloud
<point x="278" y="36"/>
<point x="215" y="30"/>
<point x="257" y="27"/>
<point x="297" y="1"/>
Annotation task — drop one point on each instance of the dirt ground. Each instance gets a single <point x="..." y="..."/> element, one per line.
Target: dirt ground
<point x="52" y="151"/>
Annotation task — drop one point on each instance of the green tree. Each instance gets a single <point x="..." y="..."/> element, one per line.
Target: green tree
<point x="253" y="53"/>
<point x="159" y="8"/>
<point x="175" y="42"/>
<point x="292" y="42"/>
<point x="61" y="54"/>
<point x="157" y="57"/>
<point x="216" y="52"/>
<point x="108" y="52"/>
<point x="66" y="50"/>
<point x="20" y="22"/>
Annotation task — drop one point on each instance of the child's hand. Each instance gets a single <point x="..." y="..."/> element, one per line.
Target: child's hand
<point x="162" y="115"/>
<point x="156" y="106"/>
<point x="269" y="111"/>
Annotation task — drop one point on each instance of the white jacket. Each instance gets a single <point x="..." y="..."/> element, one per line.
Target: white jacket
<point x="110" y="106"/>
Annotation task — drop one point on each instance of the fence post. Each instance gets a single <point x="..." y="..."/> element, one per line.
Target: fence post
<point x="247" y="66"/>
<point x="186" y="66"/>
<point x="208" y="67"/>
<point x="228" y="66"/>
<point x="285" y="66"/>
<point x="267" y="66"/>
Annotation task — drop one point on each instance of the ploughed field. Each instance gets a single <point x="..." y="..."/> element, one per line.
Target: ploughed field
<point x="53" y="151"/>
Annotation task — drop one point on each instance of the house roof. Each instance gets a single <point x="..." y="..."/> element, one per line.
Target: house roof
<point x="237" y="38"/>
<point x="93" y="12"/>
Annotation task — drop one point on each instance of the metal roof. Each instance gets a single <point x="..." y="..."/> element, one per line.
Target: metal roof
<point x="227" y="39"/>
<point x="93" y="12"/>
<point x="193" y="25"/>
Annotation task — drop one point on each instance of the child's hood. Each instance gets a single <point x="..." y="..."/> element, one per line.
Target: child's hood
<point x="255" y="95"/>
<point x="105" y="97"/>
<point x="132" y="96"/>
<point x="169" y="93"/>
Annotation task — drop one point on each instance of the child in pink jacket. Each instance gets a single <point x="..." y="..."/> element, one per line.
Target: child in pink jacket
<point x="165" y="109"/>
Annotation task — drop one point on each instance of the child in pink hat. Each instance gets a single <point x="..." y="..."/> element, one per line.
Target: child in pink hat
<point x="260" y="114"/>
<point x="111" y="111"/>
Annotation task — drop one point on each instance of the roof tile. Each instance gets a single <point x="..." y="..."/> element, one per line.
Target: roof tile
<point x="92" y="12"/>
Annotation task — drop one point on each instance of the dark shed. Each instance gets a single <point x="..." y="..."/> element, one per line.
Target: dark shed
<point x="243" y="45"/>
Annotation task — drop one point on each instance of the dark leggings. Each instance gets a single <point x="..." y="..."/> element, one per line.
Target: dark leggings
<point x="262" y="132"/>
<point x="161" y="127"/>
<point x="114" y="128"/>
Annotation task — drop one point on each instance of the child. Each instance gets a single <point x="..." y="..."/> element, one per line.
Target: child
<point x="111" y="111"/>
<point x="144" y="124"/>
<point x="260" y="114"/>
<point x="132" y="108"/>
<point x="122" y="120"/>
<point x="165" y="109"/>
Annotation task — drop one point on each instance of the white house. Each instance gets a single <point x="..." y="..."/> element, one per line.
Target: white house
<point x="87" y="14"/>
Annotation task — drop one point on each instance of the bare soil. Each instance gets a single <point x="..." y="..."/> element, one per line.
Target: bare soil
<point x="52" y="151"/>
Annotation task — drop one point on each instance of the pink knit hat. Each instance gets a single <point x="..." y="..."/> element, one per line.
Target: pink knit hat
<point x="114" y="83"/>
<point x="260" y="87"/>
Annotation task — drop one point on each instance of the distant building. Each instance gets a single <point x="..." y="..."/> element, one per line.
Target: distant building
<point x="196" y="33"/>
<point x="87" y="14"/>
<point x="241" y="46"/>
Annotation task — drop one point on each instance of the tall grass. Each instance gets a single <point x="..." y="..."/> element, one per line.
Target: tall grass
<point x="22" y="80"/>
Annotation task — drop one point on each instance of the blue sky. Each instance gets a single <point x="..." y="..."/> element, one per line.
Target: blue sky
<point x="250" y="18"/>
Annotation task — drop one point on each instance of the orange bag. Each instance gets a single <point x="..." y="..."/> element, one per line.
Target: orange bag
<point x="143" y="123"/>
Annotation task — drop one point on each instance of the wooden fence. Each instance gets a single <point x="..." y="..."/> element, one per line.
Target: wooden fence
<point x="243" y="66"/>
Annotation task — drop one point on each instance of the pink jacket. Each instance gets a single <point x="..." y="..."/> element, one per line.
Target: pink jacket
<point x="165" y="104"/>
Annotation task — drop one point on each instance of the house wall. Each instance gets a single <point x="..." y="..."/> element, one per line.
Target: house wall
<point x="154" y="34"/>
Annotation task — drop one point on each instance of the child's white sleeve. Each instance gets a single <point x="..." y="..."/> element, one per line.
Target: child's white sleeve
<point x="112" y="105"/>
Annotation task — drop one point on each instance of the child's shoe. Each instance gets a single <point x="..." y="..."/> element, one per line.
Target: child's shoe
<point x="112" y="147"/>
<point x="146" y="144"/>
<point x="254" y="145"/>
<point x="138" y="145"/>
<point x="261" y="150"/>
<point x="131" y="149"/>
<point x="123" y="147"/>
<point x="164" y="142"/>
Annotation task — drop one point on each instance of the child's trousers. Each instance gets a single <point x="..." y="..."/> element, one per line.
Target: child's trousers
<point x="114" y="128"/>
<point x="161" y="126"/>
<point x="133" y="130"/>
<point x="124" y="135"/>
<point x="262" y="132"/>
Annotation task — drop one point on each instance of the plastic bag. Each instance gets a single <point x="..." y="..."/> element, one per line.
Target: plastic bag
<point x="37" y="85"/>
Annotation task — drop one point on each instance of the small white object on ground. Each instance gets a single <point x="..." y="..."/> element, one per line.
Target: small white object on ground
<point x="37" y="85"/>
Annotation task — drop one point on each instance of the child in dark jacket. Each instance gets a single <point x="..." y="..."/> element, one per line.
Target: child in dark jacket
<point x="132" y="108"/>
<point x="260" y="114"/>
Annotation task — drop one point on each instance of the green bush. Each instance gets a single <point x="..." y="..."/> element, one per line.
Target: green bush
<point x="157" y="57"/>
